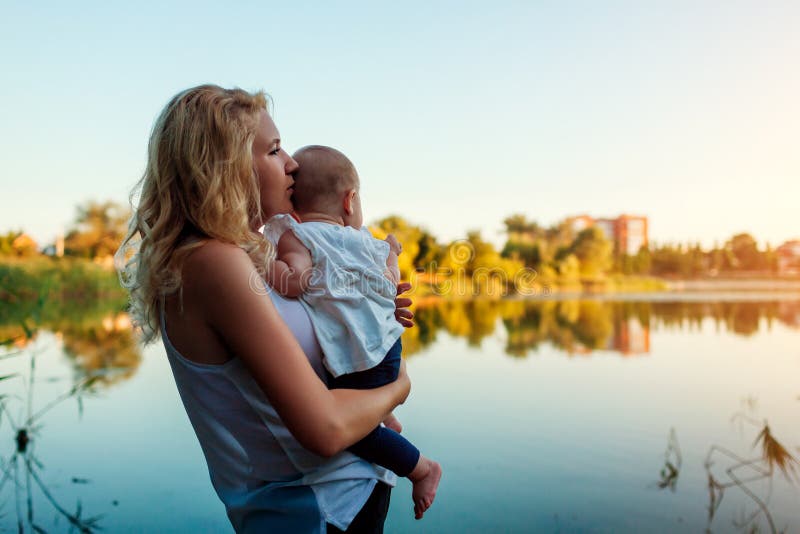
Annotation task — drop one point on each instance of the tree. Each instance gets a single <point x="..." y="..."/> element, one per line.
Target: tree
<point x="24" y="246"/>
<point x="7" y="243"/>
<point x="478" y="263"/>
<point x="745" y="252"/>
<point x="643" y="261"/>
<point x="429" y="250"/>
<point x="531" y="254"/>
<point x="408" y="235"/>
<point x="718" y="259"/>
<point x="593" y="251"/>
<point x="99" y="229"/>
<point x="771" y="259"/>
<point x="18" y="244"/>
<point x="519" y="228"/>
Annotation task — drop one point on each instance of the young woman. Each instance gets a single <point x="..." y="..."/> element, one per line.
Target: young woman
<point x="245" y="361"/>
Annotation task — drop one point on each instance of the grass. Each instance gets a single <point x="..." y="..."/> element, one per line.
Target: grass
<point x="48" y="289"/>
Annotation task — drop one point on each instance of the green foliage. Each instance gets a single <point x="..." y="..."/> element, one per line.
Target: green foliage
<point x="17" y="244"/>
<point x="593" y="252"/>
<point x="25" y="285"/>
<point x="6" y="243"/>
<point x="430" y="250"/>
<point x="408" y="235"/>
<point x="557" y="253"/>
<point x="520" y="229"/>
<point x="745" y="254"/>
<point x="531" y="254"/>
<point x="478" y="260"/>
<point x="99" y="229"/>
<point x="569" y="268"/>
<point x="557" y="248"/>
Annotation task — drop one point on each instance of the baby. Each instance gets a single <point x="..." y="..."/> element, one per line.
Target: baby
<point x="347" y="280"/>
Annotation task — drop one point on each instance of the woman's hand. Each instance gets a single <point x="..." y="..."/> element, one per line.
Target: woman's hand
<point x="403" y="315"/>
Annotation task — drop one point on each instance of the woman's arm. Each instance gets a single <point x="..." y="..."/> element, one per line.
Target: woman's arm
<point x="220" y="276"/>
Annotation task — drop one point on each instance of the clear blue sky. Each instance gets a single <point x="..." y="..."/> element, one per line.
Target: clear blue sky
<point x="456" y="114"/>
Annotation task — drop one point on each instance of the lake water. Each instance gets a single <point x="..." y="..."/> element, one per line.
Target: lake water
<point x="548" y="416"/>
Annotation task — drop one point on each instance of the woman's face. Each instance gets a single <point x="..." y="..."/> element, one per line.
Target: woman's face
<point x="273" y="167"/>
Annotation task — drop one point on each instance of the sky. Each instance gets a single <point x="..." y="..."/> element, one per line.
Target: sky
<point x="456" y="114"/>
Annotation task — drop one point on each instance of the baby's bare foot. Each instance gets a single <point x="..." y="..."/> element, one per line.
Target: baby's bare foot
<point x="393" y="423"/>
<point x="425" y="477"/>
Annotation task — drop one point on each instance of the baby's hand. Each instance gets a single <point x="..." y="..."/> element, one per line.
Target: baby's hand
<point x="394" y="244"/>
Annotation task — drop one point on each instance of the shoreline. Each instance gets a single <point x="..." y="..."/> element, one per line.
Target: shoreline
<point x="728" y="290"/>
<point x="734" y="284"/>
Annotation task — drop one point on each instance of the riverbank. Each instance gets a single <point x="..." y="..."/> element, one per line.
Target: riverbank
<point x="33" y="282"/>
<point x="734" y="284"/>
<point x="622" y="288"/>
<point x="56" y="278"/>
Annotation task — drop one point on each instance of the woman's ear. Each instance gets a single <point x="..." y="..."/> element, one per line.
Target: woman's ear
<point x="349" y="199"/>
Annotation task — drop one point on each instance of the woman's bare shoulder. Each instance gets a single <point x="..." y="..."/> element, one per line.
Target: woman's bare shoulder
<point x="215" y="257"/>
<point x="212" y="251"/>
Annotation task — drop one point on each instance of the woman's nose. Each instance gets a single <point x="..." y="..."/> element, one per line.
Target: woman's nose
<point x="291" y="165"/>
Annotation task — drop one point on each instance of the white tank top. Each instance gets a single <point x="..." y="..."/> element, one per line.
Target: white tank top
<point x="266" y="479"/>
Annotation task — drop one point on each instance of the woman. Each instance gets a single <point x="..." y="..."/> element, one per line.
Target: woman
<point x="271" y="432"/>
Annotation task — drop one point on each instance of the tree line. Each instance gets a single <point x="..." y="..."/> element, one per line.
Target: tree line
<point x="557" y="254"/>
<point x="550" y="248"/>
<point x="96" y="232"/>
<point x="562" y="255"/>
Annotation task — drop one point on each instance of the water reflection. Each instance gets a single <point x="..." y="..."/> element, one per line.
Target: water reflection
<point x="99" y="342"/>
<point x="725" y="469"/>
<point x="584" y="326"/>
<point x="22" y="470"/>
<point x="96" y="336"/>
<point x="106" y="349"/>
<point x="101" y="352"/>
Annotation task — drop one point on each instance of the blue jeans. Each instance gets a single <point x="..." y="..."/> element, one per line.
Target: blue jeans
<point x="382" y="446"/>
<point x="372" y="515"/>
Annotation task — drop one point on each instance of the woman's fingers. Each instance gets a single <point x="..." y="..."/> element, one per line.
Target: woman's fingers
<point x="402" y="287"/>
<point x="403" y="315"/>
<point x="402" y="302"/>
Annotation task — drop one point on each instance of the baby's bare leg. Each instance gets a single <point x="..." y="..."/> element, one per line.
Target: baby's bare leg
<point x="425" y="477"/>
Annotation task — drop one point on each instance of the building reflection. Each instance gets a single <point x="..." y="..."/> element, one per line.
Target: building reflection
<point x="789" y="314"/>
<point x="630" y="337"/>
<point x="585" y="327"/>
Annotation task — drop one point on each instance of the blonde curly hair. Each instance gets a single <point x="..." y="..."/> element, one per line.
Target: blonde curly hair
<point x="199" y="182"/>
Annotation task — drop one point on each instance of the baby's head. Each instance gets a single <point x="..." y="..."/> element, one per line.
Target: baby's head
<point x="326" y="182"/>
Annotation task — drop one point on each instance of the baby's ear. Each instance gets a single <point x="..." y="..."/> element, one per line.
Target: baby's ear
<point x="349" y="198"/>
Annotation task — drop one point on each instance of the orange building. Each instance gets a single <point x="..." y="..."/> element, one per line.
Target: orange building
<point x="789" y="257"/>
<point x="24" y="245"/>
<point x="627" y="232"/>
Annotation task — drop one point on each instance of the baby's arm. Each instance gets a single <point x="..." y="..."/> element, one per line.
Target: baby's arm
<point x="392" y="268"/>
<point x="290" y="272"/>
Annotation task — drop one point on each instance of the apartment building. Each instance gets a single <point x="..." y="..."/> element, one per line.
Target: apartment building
<point x="627" y="232"/>
<point x="789" y="257"/>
